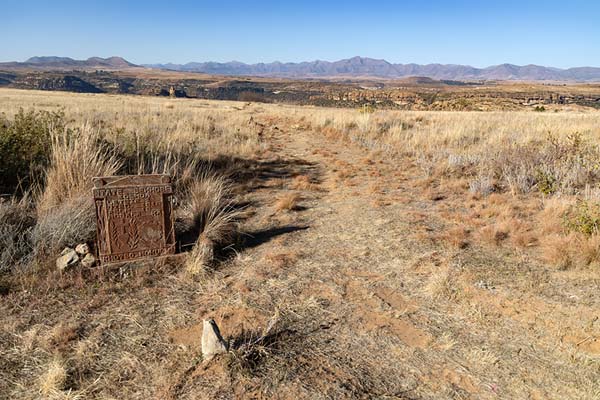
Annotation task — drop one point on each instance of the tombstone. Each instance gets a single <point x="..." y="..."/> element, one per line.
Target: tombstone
<point x="134" y="217"/>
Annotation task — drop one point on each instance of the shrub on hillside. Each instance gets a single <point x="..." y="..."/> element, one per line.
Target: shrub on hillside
<point x="25" y="146"/>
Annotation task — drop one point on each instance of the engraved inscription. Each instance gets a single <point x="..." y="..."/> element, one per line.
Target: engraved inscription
<point x="134" y="217"/>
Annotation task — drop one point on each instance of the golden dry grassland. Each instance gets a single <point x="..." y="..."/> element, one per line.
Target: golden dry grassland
<point x="344" y="253"/>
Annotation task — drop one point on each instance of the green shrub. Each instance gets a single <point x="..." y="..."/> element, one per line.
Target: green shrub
<point x="546" y="182"/>
<point x="584" y="217"/>
<point x="539" y="108"/>
<point x="25" y="146"/>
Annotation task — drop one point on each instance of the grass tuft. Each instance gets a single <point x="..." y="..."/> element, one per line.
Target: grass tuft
<point x="208" y="212"/>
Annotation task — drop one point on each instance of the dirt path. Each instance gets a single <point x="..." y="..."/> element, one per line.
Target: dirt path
<point x="382" y="310"/>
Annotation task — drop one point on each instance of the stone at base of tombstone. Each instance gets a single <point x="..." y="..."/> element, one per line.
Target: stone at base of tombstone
<point x="82" y="249"/>
<point x="212" y="341"/>
<point x="68" y="258"/>
<point x="88" y="261"/>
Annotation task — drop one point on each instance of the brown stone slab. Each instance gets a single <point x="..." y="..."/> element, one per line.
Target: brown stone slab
<point x="134" y="215"/>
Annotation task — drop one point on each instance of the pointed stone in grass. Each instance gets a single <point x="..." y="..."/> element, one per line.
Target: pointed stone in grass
<point x="212" y="341"/>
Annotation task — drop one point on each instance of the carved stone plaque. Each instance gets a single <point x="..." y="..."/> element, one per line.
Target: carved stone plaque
<point x="134" y="215"/>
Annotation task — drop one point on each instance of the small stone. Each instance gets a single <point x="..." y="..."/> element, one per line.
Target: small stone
<point x="212" y="341"/>
<point x="82" y="249"/>
<point x="68" y="258"/>
<point x="88" y="261"/>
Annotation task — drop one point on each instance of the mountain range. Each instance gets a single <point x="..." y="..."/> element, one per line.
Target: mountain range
<point x="369" y="67"/>
<point x="355" y="67"/>
<point x="61" y="63"/>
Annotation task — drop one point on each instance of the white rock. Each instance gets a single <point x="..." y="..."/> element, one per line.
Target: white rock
<point x="68" y="258"/>
<point x="212" y="341"/>
<point x="88" y="261"/>
<point x="82" y="249"/>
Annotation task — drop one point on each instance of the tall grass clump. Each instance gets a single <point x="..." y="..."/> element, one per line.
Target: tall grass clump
<point x="207" y="213"/>
<point x="65" y="208"/>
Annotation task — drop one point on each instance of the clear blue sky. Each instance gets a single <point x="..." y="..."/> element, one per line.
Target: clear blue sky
<point x="479" y="33"/>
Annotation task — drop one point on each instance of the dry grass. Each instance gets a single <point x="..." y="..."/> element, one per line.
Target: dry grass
<point x="288" y="202"/>
<point x="54" y="378"/>
<point x="75" y="156"/>
<point x="303" y="182"/>
<point x="17" y="219"/>
<point x="209" y="213"/>
<point x="369" y="303"/>
<point x="441" y="284"/>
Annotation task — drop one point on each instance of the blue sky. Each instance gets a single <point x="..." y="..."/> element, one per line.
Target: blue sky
<point x="478" y="33"/>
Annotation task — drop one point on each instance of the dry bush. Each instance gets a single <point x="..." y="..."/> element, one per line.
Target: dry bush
<point x="250" y="351"/>
<point x="17" y="219"/>
<point x="288" y="202"/>
<point x="588" y="253"/>
<point x="495" y="233"/>
<point x="207" y="212"/>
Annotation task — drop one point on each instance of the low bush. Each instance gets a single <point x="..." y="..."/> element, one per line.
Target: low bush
<point x="584" y="217"/>
<point x="25" y="146"/>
